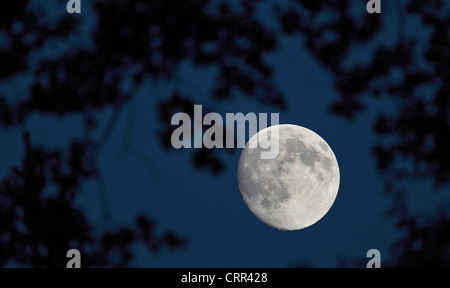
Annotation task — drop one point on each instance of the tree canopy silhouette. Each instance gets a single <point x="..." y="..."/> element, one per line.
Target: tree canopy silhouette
<point x="411" y="72"/>
<point x="106" y="65"/>
<point x="150" y="41"/>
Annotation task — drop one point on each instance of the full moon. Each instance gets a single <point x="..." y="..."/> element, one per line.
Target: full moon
<point x="295" y="189"/>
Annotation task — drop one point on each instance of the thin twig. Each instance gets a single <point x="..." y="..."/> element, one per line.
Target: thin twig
<point x="145" y="160"/>
<point x="103" y="199"/>
<point x="129" y="130"/>
<point x="104" y="137"/>
<point x="106" y="133"/>
<point x="400" y="20"/>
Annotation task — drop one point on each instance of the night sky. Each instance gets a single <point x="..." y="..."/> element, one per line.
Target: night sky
<point x="208" y="209"/>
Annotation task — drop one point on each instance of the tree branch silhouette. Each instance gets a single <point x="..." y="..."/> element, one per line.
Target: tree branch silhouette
<point x="413" y="76"/>
<point x="151" y="41"/>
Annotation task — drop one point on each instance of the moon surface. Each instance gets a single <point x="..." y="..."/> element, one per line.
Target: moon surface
<point x="295" y="189"/>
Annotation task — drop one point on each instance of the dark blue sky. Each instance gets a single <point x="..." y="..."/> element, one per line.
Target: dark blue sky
<point x="209" y="210"/>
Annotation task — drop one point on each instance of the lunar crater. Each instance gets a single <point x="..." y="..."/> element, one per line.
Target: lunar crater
<point x="309" y="157"/>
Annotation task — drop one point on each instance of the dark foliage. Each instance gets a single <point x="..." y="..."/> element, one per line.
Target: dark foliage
<point x="39" y="221"/>
<point x="412" y="73"/>
<point x="152" y="39"/>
